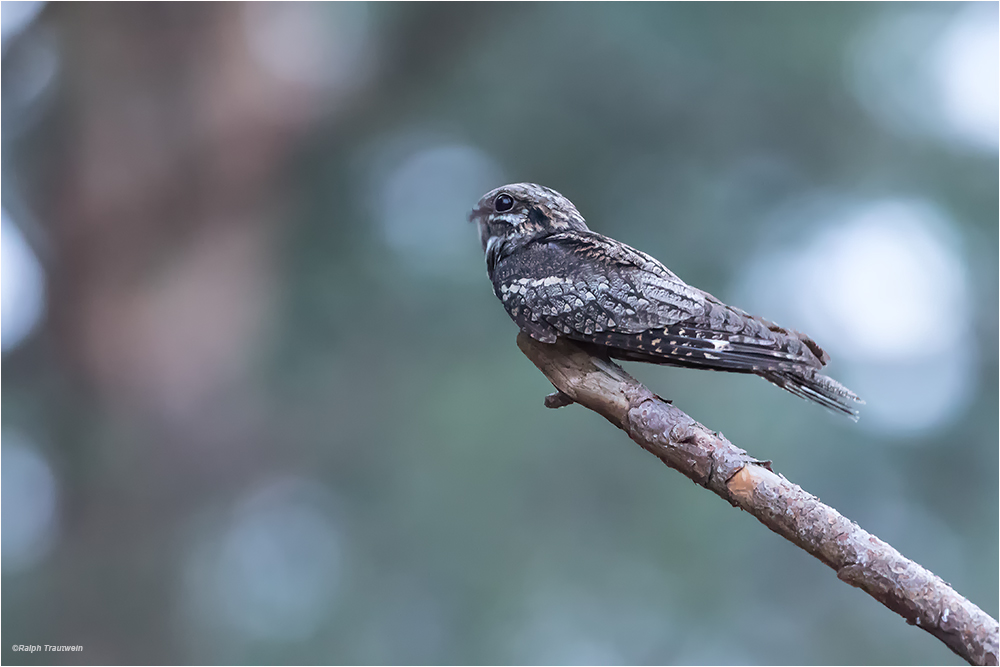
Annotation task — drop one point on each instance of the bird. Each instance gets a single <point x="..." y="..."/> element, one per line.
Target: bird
<point x="558" y="279"/>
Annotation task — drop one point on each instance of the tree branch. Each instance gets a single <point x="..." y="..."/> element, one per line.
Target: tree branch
<point x="860" y="558"/>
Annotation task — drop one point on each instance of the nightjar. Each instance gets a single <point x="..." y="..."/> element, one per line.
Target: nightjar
<point x="556" y="278"/>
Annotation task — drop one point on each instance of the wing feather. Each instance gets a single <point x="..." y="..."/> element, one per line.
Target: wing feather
<point x="587" y="287"/>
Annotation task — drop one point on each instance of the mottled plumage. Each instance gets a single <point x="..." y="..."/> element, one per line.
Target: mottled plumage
<point x="556" y="277"/>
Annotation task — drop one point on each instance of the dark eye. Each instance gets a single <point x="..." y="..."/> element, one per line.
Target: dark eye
<point x="503" y="203"/>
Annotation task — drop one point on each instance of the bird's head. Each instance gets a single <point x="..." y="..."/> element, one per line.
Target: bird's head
<point x="520" y="212"/>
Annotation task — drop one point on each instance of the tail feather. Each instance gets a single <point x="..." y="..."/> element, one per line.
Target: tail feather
<point x="784" y="360"/>
<point x="813" y="386"/>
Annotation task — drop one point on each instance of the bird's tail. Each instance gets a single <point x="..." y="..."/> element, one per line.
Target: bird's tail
<point x="814" y="386"/>
<point x="785" y="358"/>
<point x="803" y="381"/>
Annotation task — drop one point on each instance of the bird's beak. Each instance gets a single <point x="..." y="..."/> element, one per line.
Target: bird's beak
<point x="492" y="241"/>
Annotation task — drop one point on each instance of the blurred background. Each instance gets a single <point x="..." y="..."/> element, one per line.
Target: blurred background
<point x="261" y="405"/>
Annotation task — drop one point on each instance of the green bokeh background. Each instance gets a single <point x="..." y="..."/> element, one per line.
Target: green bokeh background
<point x="235" y="328"/>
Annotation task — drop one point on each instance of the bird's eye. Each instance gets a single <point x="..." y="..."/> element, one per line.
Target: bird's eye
<point x="503" y="203"/>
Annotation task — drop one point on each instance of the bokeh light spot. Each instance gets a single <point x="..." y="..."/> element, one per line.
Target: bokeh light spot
<point x="422" y="200"/>
<point x="22" y="287"/>
<point x="873" y="286"/>
<point x="919" y="76"/>
<point x="29" y="504"/>
<point x="968" y="75"/>
<point x="273" y="571"/>
<point x="315" y="45"/>
<point x="878" y="283"/>
<point x="15" y="17"/>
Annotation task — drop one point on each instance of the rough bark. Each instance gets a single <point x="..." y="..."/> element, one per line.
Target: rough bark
<point x="709" y="459"/>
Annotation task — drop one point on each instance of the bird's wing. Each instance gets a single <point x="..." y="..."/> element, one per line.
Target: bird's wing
<point x="585" y="286"/>
<point x="593" y="289"/>
<point x="584" y="283"/>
